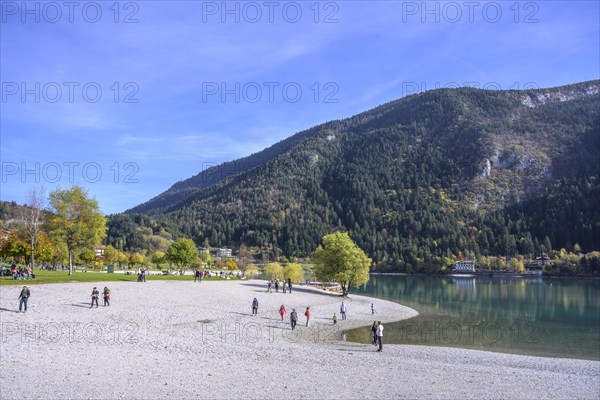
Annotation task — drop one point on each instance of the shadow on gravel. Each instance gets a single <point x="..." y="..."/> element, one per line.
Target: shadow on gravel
<point x="83" y="305"/>
<point x="8" y="310"/>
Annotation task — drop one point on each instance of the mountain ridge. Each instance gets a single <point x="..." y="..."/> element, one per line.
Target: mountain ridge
<point x="414" y="180"/>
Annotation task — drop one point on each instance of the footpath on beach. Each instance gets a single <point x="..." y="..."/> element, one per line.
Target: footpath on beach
<point x="168" y="339"/>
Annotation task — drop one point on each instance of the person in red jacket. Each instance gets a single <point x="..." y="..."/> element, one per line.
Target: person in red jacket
<point x="307" y="314"/>
<point x="282" y="311"/>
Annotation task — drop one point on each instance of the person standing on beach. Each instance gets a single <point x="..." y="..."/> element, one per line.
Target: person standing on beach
<point x="277" y="285"/>
<point x="334" y="319"/>
<point x="372" y="309"/>
<point x="290" y="284"/>
<point x="255" y="306"/>
<point x="282" y="311"/>
<point x="269" y="286"/>
<point x="379" y="335"/>
<point x="23" y="298"/>
<point x="106" y="296"/>
<point x="343" y="310"/>
<point x="374" y="332"/>
<point x="95" y="295"/>
<point x="307" y="314"/>
<point x="284" y="284"/>
<point x="293" y="318"/>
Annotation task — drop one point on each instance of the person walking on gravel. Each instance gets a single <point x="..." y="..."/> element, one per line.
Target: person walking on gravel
<point x="343" y="310"/>
<point x="106" y="296"/>
<point x="255" y="306"/>
<point x="95" y="295"/>
<point x="23" y="298"/>
<point x="294" y="318"/>
<point x="290" y="284"/>
<point x="307" y="314"/>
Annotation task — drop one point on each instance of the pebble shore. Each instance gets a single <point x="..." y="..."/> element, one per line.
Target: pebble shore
<point x="175" y="340"/>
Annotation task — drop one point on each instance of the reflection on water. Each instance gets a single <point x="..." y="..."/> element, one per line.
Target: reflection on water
<point x="547" y="317"/>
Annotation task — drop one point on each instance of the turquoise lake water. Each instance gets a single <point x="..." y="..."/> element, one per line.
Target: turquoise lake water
<point x="551" y="317"/>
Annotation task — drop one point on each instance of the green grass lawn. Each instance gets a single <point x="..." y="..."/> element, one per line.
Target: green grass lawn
<point x="62" y="277"/>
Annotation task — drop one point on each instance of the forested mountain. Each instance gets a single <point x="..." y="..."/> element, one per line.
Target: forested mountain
<point x="415" y="181"/>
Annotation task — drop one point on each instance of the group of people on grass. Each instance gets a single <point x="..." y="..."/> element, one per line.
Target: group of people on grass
<point x="22" y="273"/>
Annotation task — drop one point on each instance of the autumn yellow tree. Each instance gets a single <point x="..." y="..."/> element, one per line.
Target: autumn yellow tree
<point x="342" y="261"/>
<point x="294" y="272"/>
<point x="274" y="271"/>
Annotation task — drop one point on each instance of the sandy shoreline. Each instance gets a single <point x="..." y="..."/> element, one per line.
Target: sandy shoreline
<point x="169" y="339"/>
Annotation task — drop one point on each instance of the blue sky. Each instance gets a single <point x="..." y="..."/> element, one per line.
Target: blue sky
<point x="127" y="100"/>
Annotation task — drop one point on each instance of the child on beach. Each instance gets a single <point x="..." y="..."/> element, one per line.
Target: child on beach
<point x="282" y="311"/>
<point x="334" y="319"/>
<point x="372" y="308"/>
<point x="106" y="296"/>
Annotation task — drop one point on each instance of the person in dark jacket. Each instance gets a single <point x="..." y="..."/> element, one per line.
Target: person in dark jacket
<point x="374" y="332"/>
<point x="255" y="306"/>
<point x="95" y="295"/>
<point x="23" y="297"/>
<point x="294" y="318"/>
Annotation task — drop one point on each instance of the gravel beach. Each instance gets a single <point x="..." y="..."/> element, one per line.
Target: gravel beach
<point x="173" y="339"/>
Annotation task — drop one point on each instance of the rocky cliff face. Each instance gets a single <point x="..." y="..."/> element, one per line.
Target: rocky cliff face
<point x="565" y="93"/>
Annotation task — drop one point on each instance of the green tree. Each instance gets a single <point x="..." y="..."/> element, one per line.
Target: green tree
<point x="87" y="257"/>
<point x="136" y="258"/>
<point x="45" y="250"/>
<point x="274" y="271"/>
<point x="205" y="256"/>
<point x="123" y="258"/>
<point x="182" y="252"/>
<point x="15" y="247"/>
<point x="342" y="261"/>
<point x="111" y="255"/>
<point x="76" y="220"/>
<point x="294" y="272"/>
<point x="158" y="257"/>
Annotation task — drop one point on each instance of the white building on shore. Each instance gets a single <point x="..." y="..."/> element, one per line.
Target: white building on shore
<point x="464" y="266"/>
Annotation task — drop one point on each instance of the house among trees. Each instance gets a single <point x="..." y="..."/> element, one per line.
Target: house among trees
<point x="224" y="252"/>
<point x="542" y="261"/>
<point x="464" y="266"/>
